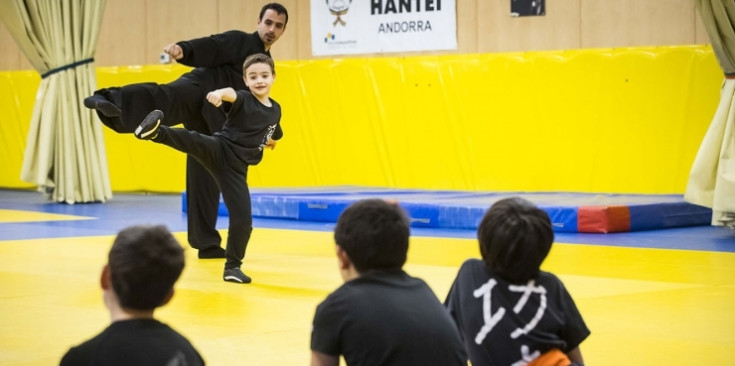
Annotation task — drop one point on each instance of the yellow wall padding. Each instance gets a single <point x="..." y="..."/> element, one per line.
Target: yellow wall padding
<point x="598" y="120"/>
<point x="17" y="95"/>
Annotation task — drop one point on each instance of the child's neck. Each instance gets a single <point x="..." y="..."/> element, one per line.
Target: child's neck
<point x="264" y="99"/>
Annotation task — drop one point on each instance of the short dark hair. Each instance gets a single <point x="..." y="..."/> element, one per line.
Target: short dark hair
<point x="144" y="264"/>
<point x="515" y="237"/>
<point x="374" y="234"/>
<point x="278" y="8"/>
<point x="256" y="59"/>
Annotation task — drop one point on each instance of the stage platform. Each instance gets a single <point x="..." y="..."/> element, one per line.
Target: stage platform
<point x="569" y="212"/>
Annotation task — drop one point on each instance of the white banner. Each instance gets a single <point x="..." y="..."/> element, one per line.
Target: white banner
<point x="376" y="26"/>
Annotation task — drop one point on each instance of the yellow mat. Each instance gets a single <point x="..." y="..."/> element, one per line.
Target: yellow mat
<point x="644" y="306"/>
<point x="7" y="216"/>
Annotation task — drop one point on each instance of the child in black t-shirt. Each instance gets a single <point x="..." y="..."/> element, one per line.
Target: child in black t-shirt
<point x="253" y="124"/>
<point x="142" y="267"/>
<point x="381" y="315"/>
<point x="509" y="311"/>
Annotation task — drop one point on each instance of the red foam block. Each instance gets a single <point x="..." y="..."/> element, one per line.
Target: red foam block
<point x="603" y="219"/>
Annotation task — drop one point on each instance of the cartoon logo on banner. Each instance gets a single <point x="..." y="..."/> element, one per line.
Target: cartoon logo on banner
<point x="339" y="8"/>
<point x="379" y="26"/>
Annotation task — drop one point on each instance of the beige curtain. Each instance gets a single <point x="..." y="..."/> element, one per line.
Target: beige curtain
<point x="65" y="153"/>
<point x="712" y="177"/>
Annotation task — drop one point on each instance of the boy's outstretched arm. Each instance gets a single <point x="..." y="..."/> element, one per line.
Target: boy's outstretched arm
<point x="218" y="96"/>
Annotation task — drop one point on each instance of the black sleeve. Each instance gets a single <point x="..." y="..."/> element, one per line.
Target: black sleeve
<point x="212" y="51"/>
<point x="232" y="107"/>
<point x="452" y="301"/>
<point x="325" y="329"/>
<point x="72" y="357"/>
<point x="575" y="330"/>
<point x="278" y="134"/>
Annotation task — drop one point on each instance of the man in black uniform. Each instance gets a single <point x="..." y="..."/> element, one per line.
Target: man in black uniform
<point x="218" y="61"/>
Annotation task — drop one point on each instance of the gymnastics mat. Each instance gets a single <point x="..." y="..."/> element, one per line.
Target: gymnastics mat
<point x="569" y="212"/>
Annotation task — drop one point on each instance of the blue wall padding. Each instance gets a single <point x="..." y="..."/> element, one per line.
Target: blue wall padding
<point x="273" y="205"/>
<point x="321" y="210"/>
<point x="668" y="215"/>
<point x="423" y="214"/>
<point x="464" y="210"/>
<point x="460" y="217"/>
<point x="563" y="219"/>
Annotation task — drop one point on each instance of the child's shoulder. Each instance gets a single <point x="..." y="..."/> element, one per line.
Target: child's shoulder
<point x="472" y="267"/>
<point x="549" y="279"/>
<point x="473" y="263"/>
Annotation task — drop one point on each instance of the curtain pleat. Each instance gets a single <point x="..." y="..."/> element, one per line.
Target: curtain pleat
<point x="712" y="177"/>
<point x="65" y="153"/>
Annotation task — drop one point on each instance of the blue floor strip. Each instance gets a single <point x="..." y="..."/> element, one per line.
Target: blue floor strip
<point x="106" y="219"/>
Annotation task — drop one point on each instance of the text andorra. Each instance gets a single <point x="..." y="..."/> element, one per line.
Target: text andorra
<point x="405" y="27"/>
<point x="403" y="6"/>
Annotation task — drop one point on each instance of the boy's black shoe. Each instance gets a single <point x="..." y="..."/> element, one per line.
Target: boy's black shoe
<point x="235" y="275"/>
<point x="148" y="129"/>
<point x="104" y="106"/>
<point x="212" y="252"/>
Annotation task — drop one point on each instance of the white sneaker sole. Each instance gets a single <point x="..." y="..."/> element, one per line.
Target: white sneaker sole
<point x="233" y="279"/>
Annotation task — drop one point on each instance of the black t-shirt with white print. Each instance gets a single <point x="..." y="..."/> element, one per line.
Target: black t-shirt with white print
<point x="511" y="324"/>
<point x="249" y="126"/>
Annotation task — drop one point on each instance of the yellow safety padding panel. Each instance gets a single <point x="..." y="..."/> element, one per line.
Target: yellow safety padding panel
<point x="17" y="95"/>
<point x="626" y="120"/>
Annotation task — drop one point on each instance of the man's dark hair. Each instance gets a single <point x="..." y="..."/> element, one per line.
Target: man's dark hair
<point x="515" y="237"/>
<point x="258" y="58"/>
<point x="278" y="8"/>
<point x="374" y="234"/>
<point x="144" y="262"/>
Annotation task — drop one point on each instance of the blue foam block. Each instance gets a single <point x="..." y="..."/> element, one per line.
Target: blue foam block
<point x="464" y="210"/>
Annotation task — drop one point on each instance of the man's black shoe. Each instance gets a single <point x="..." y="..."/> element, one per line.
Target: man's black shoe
<point x="104" y="106"/>
<point x="212" y="252"/>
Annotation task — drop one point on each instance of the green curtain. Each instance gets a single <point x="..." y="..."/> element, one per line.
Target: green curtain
<point x="65" y="153"/>
<point x="712" y="177"/>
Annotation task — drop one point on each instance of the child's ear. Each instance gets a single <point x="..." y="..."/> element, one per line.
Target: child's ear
<point x="105" y="281"/>
<point x="168" y="297"/>
<point x="342" y="258"/>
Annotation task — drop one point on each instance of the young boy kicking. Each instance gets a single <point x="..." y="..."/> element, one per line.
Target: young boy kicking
<point x="253" y="124"/>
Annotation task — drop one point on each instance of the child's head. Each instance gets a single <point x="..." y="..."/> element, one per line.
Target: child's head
<point x="515" y="237"/>
<point x="144" y="263"/>
<point x="258" y="72"/>
<point x="374" y="234"/>
<point x="258" y="58"/>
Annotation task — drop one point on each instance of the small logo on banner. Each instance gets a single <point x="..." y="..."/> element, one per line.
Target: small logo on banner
<point x="339" y="8"/>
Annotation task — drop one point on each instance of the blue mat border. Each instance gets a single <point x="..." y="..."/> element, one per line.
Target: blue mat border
<point x="464" y="210"/>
